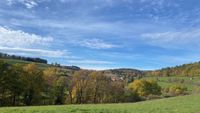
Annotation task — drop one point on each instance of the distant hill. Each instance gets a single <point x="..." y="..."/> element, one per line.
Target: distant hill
<point x="128" y="75"/>
<point x="192" y="69"/>
<point x="42" y="63"/>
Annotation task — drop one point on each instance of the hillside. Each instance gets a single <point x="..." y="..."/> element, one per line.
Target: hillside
<point x="185" y="70"/>
<point x="17" y="57"/>
<point x="124" y="74"/>
<point x="183" y="104"/>
<point x="192" y="69"/>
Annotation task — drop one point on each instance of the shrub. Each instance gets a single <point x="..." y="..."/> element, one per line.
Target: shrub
<point x="145" y="88"/>
<point x="197" y="90"/>
<point x="175" y="90"/>
<point x="130" y="96"/>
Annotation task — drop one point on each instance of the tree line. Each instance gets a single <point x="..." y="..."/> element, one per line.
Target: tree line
<point x="190" y="70"/>
<point x="29" y="85"/>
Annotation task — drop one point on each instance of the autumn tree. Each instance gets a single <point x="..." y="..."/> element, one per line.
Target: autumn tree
<point x="145" y="87"/>
<point x="100" y="87"/>
<point x="60" y="90"/>
<point x="117" y="91"/>
<point x="50" y="76"/>
<point x="80" y="80"/>
<point x="33" y="84"/>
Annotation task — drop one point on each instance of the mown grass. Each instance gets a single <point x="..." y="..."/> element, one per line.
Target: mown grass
<point x="184" y="104"/>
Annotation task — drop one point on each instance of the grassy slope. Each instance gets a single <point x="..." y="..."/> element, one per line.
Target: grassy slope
<point x="13" y="61"/>
<point x="22" y="62"/>
<point x="185" y="104"/>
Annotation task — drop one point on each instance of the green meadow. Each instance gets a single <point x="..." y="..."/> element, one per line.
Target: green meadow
<point x="182" y="104"/>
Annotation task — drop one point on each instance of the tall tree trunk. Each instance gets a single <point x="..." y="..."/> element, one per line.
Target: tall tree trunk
<point x="14" y="100"/>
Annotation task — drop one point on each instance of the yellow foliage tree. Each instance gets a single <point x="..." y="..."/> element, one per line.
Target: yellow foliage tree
<point x="145" y="87"/>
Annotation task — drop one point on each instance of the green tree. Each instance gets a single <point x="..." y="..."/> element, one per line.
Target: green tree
<point x="60" y="90"/>
<point x="33" y="84"/>
<point x="11" y="84"/>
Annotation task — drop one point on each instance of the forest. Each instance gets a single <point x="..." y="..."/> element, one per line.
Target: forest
<point x="29" y="85"/>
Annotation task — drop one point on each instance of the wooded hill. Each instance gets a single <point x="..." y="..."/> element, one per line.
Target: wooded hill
<point x="192" y="69"/>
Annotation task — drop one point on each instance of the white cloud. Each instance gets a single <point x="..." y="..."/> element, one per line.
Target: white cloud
<point x="173" y="39"/>
<point x="27" y="3"/>
<point x="97" y="67"/>
<point x="94" y="62"/>
<point x="94" y="44"/>
<point x="12" y="38"/>
<point x="30" y="4"/>
<point x="26" y="44"/>
<point x="33" y="52"/>
<point x="91" y="64"/>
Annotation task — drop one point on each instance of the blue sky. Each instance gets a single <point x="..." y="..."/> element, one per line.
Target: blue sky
<point x="103" y="34"/>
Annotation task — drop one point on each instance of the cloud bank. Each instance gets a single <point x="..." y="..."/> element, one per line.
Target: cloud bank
<point x="17" y="38"/>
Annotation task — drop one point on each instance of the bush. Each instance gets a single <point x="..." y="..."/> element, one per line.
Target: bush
<point x="130" y="96"/>
<point x="145" y="88"/>
<point x="175" y="90"/>
<point x="197" y="90"/>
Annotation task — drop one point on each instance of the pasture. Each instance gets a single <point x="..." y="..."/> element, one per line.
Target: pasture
<point x="182" y="104"/>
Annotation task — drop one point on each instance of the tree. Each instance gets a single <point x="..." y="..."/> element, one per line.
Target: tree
<point x="80" y="80"/>
<point x="145" y="88"/>
<point x="50" y="76"/>
<point x="4" y="81"/>
<point x="100" y="87"/>
<point x="11" y="84"/>
<point x="117" y="91"/>
<point x="15" y="83"/>
<point x="60" y="90"/>
<point x="33" y="84"/>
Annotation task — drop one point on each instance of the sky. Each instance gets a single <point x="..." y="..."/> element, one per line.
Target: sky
<point x="103" y="34"/>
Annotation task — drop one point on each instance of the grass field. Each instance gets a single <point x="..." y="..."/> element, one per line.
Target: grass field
<point x="184" y="104"/>
<point x="22" y="62"/>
